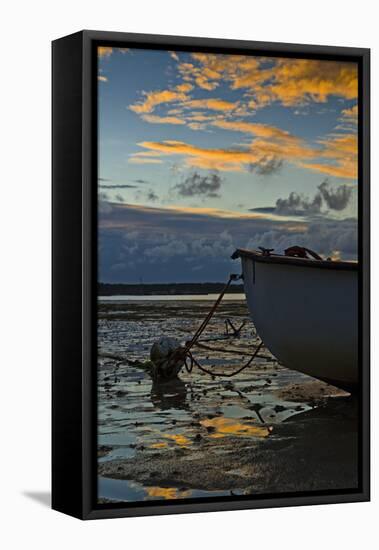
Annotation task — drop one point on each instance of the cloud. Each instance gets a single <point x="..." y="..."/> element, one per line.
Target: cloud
<point x="196" y="185"/>
<point x="261" y="130"/>
<point x="264" y="153"/>
<point x="144" y="160"/>
<point x="118" y="186"/>
<point x="297" y="205"/>
<point x="267" y="166"/>
<point x="335" y="199"/>
<point x="351" y="115"/>
<point x="155" y="98"/>
<point x="291" y="82"/>
<point x="299" y="81"/>
<point x="335" y="155"/>
<point x="167" y="250"/>
<point x="145" y="157"/>
<point x="155" y="119"/>
<point x="213" y="159"/>
<point x="328" y="238"/>
<point x="263" y="209"/>
<point x="185" y="87"/>
<point x="214" y="104"/>
<point x="208" y="70"/>
<point x="300" y="205"/>
<point x="220" y="247"/>
<point x="340" y="156"/>
<point x="152" y="196"/>
<point x="148" y="195"/>
<point x="273" y="145"/>
<point x="102" y="78"/>
<point x="141" y="181"/>
<point x="204" y="237"/>
<point x="104" y="51"/>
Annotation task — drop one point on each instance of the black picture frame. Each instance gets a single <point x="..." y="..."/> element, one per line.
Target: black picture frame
<point x="74" y="203"/>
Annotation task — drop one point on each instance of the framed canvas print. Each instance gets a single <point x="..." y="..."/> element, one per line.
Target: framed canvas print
<point x="210" y="274"/>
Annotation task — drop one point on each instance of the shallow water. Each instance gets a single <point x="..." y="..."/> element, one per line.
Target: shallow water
<point x="139" y="420"/>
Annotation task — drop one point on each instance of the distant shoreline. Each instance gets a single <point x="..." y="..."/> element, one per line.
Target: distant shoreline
<point x="164" y="289"/>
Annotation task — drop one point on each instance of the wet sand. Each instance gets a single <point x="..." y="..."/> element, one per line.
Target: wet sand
<point x="267" y="430"/>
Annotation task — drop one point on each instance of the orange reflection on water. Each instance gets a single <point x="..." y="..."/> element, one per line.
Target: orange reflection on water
<point x="179" y="439"/>
<point x="230" y="426"/>
<point x="167" y="492"/>
<point x="158" y="445"/>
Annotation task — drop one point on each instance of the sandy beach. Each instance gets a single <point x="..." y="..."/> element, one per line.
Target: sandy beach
<point x="267" y="430"/>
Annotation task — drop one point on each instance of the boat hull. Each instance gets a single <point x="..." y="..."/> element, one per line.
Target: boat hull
<point x="307" y="317"/>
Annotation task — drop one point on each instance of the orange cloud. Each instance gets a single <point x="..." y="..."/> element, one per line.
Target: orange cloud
<point x="288" y="81"/>
<point x="156" y="98"/>
<point x="205" y="84"/>
<point x="104" y="51"/>
<point x="263" y="130"/>
<point x="220" y="159"/>
<point x="212" y="68"/>
<point x="185" y="87"/>
<point x="303" y="80"/>
<point x="350" y="115"/>
<point x="199" y="117"/>
<point x="155" y="119"/>
<point x="347" y="171"/>
<point x="341" y="155"/>
<point x="334" y="156"/>
<point x="272" y="142"/>
<point x="213" y="104"/>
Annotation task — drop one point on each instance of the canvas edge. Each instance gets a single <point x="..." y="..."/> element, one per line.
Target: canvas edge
<point x="66" y="471"/>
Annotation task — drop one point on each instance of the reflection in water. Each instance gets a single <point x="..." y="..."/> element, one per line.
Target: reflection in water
<point x="169" y="395"/>
<point x="222" y="427"/>
<point x="180" y="440"/>
<point x="166" y="493"/>
<point x="126" y="490"/>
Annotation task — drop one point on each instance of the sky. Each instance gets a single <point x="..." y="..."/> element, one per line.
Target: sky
<point x="200" y="154"/>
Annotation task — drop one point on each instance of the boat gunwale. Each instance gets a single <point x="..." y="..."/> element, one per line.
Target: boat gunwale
<point x="294" y="261"/>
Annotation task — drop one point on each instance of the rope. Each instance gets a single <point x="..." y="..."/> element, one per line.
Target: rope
<point x="213" y="373"/>
<point x="224" y="350"/>
<point x="203" y="325"/>
<point x="185" y="354"/>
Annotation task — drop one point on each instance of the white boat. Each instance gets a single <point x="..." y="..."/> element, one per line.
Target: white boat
<point x="306" y="313"/>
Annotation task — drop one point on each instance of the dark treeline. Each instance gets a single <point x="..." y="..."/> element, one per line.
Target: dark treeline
<point x="108" y="289"/>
